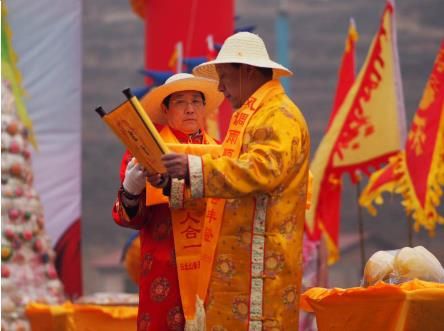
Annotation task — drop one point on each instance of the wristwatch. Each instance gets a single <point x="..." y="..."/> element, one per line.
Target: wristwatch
<point x="128" y="195"/>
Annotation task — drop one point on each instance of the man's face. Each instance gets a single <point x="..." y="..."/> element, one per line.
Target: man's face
<point x="230" y="83"/>
<point x="185" y="111"/>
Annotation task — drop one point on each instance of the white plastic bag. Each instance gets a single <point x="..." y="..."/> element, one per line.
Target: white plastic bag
<point x="379" y="267"/>
<point x="402" y="265"/>
<point x="419" y="263"/>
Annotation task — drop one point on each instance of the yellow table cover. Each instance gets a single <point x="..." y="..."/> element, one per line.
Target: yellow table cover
<point x="412" y="306"/>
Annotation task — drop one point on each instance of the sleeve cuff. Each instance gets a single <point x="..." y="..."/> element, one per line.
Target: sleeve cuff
<point x="177" y="194"/>
<point x="126" y="213"/>
<point x="195" y="172"/>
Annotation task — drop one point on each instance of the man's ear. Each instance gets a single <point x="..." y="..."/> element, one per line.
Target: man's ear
<point x="164" y="108"/>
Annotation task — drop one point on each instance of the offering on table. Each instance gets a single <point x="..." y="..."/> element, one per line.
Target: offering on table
<point x="402" y="265"/>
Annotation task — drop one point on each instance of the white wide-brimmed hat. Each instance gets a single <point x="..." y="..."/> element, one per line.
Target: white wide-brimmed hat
<point x="176" y="83"/>
<point x="242" y="47"/>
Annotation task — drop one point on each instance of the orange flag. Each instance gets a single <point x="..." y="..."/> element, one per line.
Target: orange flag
<point x="418" y="172"/>
<point x="367" y="129"/>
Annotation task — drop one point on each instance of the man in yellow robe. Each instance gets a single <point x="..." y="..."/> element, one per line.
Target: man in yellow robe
<point x="251" y="256"/>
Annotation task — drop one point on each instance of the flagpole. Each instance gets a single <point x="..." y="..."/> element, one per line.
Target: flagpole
<point x="410" y="230"/>
<point x="179" y="63"/>
<point x="281" y="29"/>
<point x="360" y="225"/>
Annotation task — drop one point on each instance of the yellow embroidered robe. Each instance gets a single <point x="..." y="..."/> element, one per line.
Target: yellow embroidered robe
<point x="269" y="178"/>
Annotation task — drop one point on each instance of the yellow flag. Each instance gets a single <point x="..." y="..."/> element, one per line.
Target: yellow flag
<point x="418" y="172"/>
<point x="369" y="126"/>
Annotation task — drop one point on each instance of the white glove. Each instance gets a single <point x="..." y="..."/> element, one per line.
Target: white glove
<point x="135" y="178"/>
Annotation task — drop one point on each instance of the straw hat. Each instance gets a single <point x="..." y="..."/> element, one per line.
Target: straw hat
<point x="242" y="47"/>
<point x="176" y="83"/>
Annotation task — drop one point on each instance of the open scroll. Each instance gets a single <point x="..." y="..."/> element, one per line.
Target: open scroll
<point x="131" y="124"/>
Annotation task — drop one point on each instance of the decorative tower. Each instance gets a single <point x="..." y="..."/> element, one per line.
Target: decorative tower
<point x="28" y="272"/>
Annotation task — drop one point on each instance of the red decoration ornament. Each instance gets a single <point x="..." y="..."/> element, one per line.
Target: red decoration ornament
<point x="9" y="234"/>
<point x="14" y="148"/>
<point x="51" y="272"/>
<point x="12" y="128"/>
<point x="6" y="271"/>
<point x="27" y="235"/>
<point x="38" y="245"/>
<point x="26" y="154"/>
<point x="16" y="169"/>
<point x="13" y="214"/>
<point x="18" y="192"/>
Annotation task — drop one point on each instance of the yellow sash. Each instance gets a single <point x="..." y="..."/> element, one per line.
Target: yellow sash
<point x="215" y="207"/>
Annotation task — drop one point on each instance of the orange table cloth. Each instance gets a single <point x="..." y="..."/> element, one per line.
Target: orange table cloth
<point x="81" y="317"/>
<point x="412" y="306"/>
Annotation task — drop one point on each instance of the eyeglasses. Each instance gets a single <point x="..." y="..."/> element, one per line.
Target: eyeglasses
<point x="183" y="104"/>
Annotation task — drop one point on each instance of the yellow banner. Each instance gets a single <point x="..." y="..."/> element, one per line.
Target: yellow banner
<point x="369" y="126"/>
<point x="138" y="134"/>
<point x="418" y="172"/>
<point x="371" y="120"/>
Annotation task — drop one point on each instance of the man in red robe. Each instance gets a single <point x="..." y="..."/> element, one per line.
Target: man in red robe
<point x="179" y="105"/>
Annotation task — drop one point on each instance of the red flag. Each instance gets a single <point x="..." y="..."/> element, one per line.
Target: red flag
<point x="330" y="195"/>
<point x="418" y="173"/>
<point x="347" y="70"/>
<point x="329" y="201"/>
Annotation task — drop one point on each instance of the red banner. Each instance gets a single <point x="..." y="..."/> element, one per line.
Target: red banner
<point x="189" y="22"/>
<point x="329" y="201"/>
